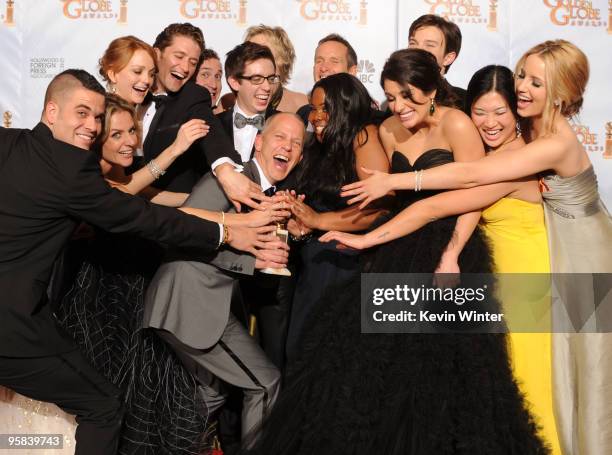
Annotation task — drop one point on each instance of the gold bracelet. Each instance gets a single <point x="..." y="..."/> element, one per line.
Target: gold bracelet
<point x="226" y="235"/>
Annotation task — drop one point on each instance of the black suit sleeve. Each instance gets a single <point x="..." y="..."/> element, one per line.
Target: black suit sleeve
<point x="91" y="199"/>
<point x="216" y="144"/>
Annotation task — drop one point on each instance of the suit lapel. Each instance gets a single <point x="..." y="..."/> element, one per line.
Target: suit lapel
<point x="251" y="171"/>
<point x="154" y="123"/>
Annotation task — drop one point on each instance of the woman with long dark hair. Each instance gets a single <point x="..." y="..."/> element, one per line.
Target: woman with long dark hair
<point x="345" y="138"/>
<point x="418" y="394"/>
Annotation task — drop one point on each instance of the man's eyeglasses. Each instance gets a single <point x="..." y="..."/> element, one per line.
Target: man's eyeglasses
<point x="258" y="79"/>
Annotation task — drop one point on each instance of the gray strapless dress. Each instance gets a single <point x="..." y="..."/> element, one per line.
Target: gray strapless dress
<point x="579" y="235"/>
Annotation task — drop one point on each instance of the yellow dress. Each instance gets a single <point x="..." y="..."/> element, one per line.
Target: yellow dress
<point x="517" y="236"/>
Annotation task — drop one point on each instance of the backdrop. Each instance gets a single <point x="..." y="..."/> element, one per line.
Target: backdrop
<point x="39" y="38"/>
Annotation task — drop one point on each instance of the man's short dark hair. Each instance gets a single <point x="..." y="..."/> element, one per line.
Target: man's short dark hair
<point x="164" y="39"/>
<point x="351" y="55"/>
<point x="243" y="54"/>
<point x="450" y="30"/>
<point x="70" y="78"/>
<point x="208" y="54"/>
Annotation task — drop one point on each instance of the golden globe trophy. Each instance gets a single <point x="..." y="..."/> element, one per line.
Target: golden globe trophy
<point x="9" y="18"/>
<point x="7" y="119"/>
<point x="123" y="11"/>
<point x="492" y="26"/>
<point x="608" y="151"/>
<point x="283" y="234"/>
<point x="363" y="13"/>
<point x="242" y="13"/>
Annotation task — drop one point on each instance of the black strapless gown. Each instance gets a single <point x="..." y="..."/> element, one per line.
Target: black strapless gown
<point x="418" y="394"/>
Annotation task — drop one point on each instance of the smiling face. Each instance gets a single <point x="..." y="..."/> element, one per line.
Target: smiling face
<point x="76" y="118"/>
<point x="254" y="99"/>
<point x="177" y="63"/>
<point x="318" y="117"/>
<point x="209" y="76"/>
<point x="279" y="147"/>
<point x="331" y="57"/>
<point x="431" y="39"/>
<point x="133" y="81"/>
<point x="530" y="85"/>
<point x="410" y="112"/>
<point x="494" y="120"/>
<point x="118" y="148"/>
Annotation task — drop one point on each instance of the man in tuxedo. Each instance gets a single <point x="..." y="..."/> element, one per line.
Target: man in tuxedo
<point x="178" y="99"/>
<point x="442" y="38"/>
<point x="188" y="302"/>
<point x="250" y="72"/>
<point x="48" y="182"/>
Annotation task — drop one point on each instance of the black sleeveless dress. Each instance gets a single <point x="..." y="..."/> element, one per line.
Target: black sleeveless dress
<point x="418" y="394"/>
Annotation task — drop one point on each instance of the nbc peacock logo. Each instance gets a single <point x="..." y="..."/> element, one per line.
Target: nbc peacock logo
<point x="366" y="72"/>
<point x="96" y="10"/>
<point x="223" y="10"/>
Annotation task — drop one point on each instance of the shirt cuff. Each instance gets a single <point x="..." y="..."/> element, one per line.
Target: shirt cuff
<point x="225" y="159"/>
<point x="220" y="234"/>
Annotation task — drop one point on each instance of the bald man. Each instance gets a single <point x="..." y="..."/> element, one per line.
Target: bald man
<point x="48" y="182"/>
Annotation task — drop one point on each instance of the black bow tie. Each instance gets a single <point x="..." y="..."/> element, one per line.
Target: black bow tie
<point x="240" y="121"/>
<point x="159" y="100"/>
<point x="270" y="191"/>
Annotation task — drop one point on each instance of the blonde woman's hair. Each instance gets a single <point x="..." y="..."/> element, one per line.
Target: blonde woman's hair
<point x="566" y="74"/>
<point x="115" y="104"/>
<point x="281" y="43"/>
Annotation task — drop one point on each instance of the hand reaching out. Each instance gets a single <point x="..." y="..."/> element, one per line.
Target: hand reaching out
<point x="188" y="133"/>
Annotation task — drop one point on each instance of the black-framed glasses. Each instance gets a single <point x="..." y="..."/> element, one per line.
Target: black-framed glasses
<point x="258" y="79"/>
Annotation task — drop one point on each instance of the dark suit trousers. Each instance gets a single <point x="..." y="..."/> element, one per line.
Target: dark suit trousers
<point x="70" y="382"/>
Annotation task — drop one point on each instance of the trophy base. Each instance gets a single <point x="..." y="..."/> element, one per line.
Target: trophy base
<point x="282" y="272"/>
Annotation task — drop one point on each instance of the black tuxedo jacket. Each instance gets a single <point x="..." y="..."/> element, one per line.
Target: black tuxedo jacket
<point x="46" y="187"/>
<point x="192" y="101"/>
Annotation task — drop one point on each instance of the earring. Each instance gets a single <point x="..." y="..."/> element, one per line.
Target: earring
<point x="113" y="89"/>
<point x="432" y="107"/>
<point x="557" y="102"/>
<point x="518" y="129"/>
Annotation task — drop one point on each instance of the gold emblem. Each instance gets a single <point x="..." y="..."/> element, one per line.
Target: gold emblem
<point x="242" y="13"/>
<point x="7" y="119"/>
<point x="493" y="16"/>
<point x="9" y="17"/>
<point x="123" y="11"/>
<point x="608" y="152"/>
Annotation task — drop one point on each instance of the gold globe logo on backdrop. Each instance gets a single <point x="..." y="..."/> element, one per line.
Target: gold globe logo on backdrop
<point x="8" y="18"/>
<point x="355" y="11"/>
<point x="214" y="9"/>
<point x="464" y="11"/>
<point x="587" y="138"/>
<point x="96" y="9"/>
<point x="576" y="13"/>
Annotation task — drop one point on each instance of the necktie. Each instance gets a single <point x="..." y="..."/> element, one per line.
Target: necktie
<point x="240" y="121"/>
<point x="270" y="191"/>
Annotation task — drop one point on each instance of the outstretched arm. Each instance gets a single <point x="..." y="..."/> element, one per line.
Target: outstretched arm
<point x="538" y="156"/>
<point x="425" y="211"/>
